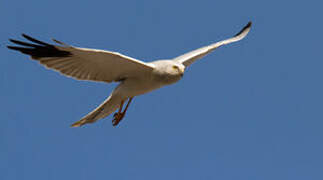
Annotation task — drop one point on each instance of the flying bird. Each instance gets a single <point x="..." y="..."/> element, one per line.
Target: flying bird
<point x="135" y="77"/>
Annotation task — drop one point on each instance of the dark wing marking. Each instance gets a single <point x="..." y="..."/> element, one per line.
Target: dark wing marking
<point x="82" y="63"/>
<point x="34" y="40"/>
<point x="190" y="57"/>
<point x="38" y="50"/>
<point x="244" y="28"/>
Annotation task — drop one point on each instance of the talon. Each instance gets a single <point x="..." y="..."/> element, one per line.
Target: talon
<point x="118" y="116"/>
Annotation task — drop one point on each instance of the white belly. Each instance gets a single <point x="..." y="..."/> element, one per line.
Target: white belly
<point x="135" y="87"/>
<point x="131" y="88"/>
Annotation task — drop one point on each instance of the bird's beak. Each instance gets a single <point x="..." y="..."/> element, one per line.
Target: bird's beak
<point x="182" y="71"/>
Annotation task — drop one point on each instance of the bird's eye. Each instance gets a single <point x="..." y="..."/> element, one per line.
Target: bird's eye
<point x="175" y="67"/>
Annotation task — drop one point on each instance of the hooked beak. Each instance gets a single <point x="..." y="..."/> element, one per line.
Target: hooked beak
<point x="182" y="72"/>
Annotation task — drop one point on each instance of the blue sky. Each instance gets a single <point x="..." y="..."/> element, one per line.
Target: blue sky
<point x="251" y="110"/>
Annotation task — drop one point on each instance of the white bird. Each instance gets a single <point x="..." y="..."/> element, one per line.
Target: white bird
<point x="135" y="77"/>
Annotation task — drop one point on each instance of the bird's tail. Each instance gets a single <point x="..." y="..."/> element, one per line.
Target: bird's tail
<point x="106" y="108"/>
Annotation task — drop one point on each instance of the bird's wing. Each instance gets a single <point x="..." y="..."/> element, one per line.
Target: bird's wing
<point x="82" y="63"/>
<point x="188" y="58"/>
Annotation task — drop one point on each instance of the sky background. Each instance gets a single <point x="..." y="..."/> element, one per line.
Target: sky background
<point x="250" y="110"/>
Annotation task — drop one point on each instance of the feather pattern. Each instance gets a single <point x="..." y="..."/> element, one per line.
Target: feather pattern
<point x="82" y="63"/>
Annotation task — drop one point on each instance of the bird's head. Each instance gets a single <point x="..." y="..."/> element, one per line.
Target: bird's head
<point x="178" y="69"/>
<point x="169" y="70"/>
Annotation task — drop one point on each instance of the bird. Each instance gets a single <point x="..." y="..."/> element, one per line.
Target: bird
<point x="135" y="77"/>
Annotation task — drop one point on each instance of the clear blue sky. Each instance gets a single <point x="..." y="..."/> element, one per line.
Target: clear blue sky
<point x="251" y="110"/>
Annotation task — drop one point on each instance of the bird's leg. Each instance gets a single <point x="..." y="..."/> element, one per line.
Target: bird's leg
<point x="117" y="117"/>
<point x="120" y="109"/>
<point x="125" y="110"/>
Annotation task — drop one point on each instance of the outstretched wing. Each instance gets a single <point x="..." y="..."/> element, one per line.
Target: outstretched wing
<point x="188" y="58"/>
<point x="82" y="63"/>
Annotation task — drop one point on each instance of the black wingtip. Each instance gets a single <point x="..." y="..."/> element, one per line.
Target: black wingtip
<point x="12" y="40"/>
<point x="38" y="50"/>
<point x="244" y="28"/>
<point x="34" y="40"/>
<point x="59" y="42"/>
<point x="10" y="47"/>
<point x="25" y="35"/>
<point x="23" y="43"/>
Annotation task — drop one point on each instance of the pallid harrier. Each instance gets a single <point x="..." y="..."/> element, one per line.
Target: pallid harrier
<point x="135" y="77"/>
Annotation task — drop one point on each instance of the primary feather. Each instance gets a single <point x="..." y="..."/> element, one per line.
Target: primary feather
<point x="188" y="58"/>
<point x="82" y="63"/>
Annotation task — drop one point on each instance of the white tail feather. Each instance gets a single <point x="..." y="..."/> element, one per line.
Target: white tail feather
<point x="110" y="105"/>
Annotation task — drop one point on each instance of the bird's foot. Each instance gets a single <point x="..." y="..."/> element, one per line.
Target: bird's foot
<point x="117" y="117"/>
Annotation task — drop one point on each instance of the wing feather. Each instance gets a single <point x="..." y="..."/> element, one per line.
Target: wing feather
<point x="188" y="58"/>
<point x="82" y="63"/>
